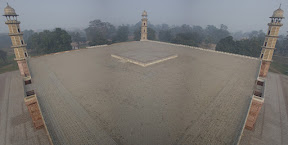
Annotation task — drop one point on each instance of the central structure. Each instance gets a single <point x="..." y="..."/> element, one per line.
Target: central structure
<point x="144" y="26"/>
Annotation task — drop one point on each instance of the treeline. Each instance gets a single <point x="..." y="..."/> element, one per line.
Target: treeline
<point x="248" y="43"/>
<point x="100" y="32"/>
<point x="251" y="44"/>
<point x="49" y="42"/>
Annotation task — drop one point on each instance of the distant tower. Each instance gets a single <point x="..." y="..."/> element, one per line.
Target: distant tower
<point x="270" y="41"/>
<point x="18" y="43"/>
<point x="144" y="27"/>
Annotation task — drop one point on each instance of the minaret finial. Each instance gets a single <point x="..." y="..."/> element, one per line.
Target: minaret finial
<point x="280" y="6"/>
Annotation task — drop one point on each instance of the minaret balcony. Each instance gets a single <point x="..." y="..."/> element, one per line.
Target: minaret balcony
<point x="265" y="47"/>
<point x="275" y="24"/>
<point x="267" y="60"/>
<point x="15" y="34"/>
<point x="18" y="59"/>
<point x="12" y="22"/>
<point x="17" y="46"/>
<point x="275" y="36"/>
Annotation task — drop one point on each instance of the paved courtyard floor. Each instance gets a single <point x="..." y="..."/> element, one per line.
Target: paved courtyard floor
<point x="272" y="124"/>
<point x="89" y="97"/>
<point x="16" y="126"/>
<point x="114" y="102"/>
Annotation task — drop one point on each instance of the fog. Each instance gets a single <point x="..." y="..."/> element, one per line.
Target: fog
<point x="244" y="15"/>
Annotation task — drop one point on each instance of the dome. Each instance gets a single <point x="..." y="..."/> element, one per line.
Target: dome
<point x="278" y="13"/>
<point x="8" y="11"/>
<point x="144" y="13"/>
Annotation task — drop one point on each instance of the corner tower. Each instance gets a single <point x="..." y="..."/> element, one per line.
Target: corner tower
<point x="18" y="43"/>
<point x="266" y="59"/>
<point x="144" y="26"/>
<point x="270" y="41"/>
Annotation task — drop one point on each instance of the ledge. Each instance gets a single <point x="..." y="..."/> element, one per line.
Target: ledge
<point x="15" y="34"/>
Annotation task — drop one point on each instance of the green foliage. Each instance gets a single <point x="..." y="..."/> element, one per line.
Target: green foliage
<point x="9" y="65"/>
<point x="279" y="64"/>
<point x="137" y="34"/>
<point x="227" y="45"/>
<point x="5" y="41"/>
<point x="249" y="47"/>
<point x="121" y="34"/>
<point x="210" y="34"/>
<point x="189" y="38"/>
<point x="75" y="37"/>
<point x="214" y="35"/>
<point x="282" y="46"/>
<point x="49" y="42"/>
<point x="27" y="34"/>
<point x="165" y="35"/>
<point x="3" y="56"/>
<point x="151" y="34"/>
<point x="278" y="67"/>
<point x="99" y="32"/>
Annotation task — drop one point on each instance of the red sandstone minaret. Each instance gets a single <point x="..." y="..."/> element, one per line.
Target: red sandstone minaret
<point x="266" y="59"/>
<point x="21" y="57"/>
<point x="18" y="43"/>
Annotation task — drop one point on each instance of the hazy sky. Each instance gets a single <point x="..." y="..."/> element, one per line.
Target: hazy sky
<point x="245" y="15"/>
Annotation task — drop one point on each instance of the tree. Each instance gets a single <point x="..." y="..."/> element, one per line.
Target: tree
<point x="99" y="32"/>
<point x="165" y="35"/>
<point x="164" y="27"/>
<point x="249" y="47"/>
<point x="189" y="38"/>
<point x="223" y="27"/>
<point x="282" y="46"/>
<point x="122" y="34"/>
<point x="5" y="41"/>
<point x="49" y="42"/>
<point x="214" y="35"/>
<point x="151" y="34"/>
<point x="27" y="34"/>
<point x="3" y="56"/>
<point x="75" y="36"/>
<point x="227" y="45"/>
<point x="137" y="34"/>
